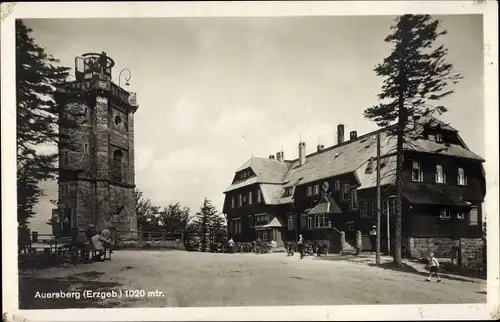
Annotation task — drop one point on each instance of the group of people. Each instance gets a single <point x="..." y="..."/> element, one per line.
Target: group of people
<point x="99" y="241"/>
<point x="317" y="248"/>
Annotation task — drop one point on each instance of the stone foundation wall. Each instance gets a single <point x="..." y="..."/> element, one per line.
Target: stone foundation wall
<point x="472" y="253"/>
<point x="421" y="247"/>
<point x="467" y="252"/>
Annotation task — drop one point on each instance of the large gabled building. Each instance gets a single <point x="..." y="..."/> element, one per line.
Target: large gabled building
<point x="334" y="189"/>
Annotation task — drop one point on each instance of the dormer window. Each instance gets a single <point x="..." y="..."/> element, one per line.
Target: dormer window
<point x="288" y="191"/>
<point x="309" y="191"/>
<point x="316" y="189"/>
<point x="439" y="138"/>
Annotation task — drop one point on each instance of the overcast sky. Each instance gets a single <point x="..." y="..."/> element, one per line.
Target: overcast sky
<point x="212" y="92"/>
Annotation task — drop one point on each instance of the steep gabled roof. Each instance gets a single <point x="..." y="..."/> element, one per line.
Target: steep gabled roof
<point x="348" y="157"/>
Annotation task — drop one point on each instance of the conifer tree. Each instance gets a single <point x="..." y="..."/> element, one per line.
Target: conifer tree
<point x="415" y="78"/>
<point x="38" y="76"/>
<point x="208" y="224"/>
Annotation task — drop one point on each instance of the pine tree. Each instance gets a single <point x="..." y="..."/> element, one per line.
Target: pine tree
<point x="208" y="224"/>
<point x="415" y="77"/>
<point x="37" y="79"/>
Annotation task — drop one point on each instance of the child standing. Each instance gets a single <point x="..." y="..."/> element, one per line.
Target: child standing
<point x="433" y="267"/>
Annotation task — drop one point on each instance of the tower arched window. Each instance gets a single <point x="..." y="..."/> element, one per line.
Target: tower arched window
<point x="117" y="165"/>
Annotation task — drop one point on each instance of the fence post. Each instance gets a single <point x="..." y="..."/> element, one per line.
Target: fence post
<point x="359" y="242"/>
<point x="342" y="241"/>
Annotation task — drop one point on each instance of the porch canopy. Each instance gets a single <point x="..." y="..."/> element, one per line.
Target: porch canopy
<point x="327" y="205"/>
<point x="428" y="195"/>
<point x="275" y="223"/>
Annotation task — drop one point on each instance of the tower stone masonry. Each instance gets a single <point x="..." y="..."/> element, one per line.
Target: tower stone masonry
<point x="96" y="157"/>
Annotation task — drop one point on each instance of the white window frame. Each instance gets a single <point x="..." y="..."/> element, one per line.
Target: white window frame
<point x="440" y="171"/>
<point x="345" y="187"/>
<point x="460" y="215"/>
<point x="476" y="222"/>
<point x="290" y="222"/>
<point x="259" y="196"/>
<point x="363" y="209"/>
<point x="461" y="177"/>
<point x="240" y="200"/>
<point x="309" y="222"/>
<point x="415" y="165"/>
<point x="321" y="221"/>
<point x="309" y="191"/>
<point x="354" y="198"/>
<point x="316" y="189"/>
<point x="444" y="213"/>
<point x="439" y="137"/>
<point x="250" y="197"/>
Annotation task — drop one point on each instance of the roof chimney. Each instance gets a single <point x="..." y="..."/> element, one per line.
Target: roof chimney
<point x="280" y="156"/>
<point x="271" y="157"/>
<point x="302" y="153"/>
<point x="340" y="133"/>
<point x="353" y="135"/>
<point x="320" y="147"/>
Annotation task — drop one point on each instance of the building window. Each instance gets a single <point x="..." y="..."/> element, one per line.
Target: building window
<point x="389" y="205"/>
<point x="236" y="226"/>
<point x="462" y="179"/>
<point x="309" y="191"/>
<point x="444" y="213"/>
<point x="259" y="196"/>
<point x="351" y="227"/>
<point x="309" y="222"/>
<point x="250" y="197"/>
<point x="265" y="235"/>
<point x="232" y="202"/>
<point x="473" y="217"/>
<point x="261" y="220"/>
<point x="321" y="221"/>
<point x="240" y="200"/>
<point x="288" y="191"/>
<point x="416" y="173"/>
<point x="364" y="209"/>
<point x="345" y="192"/>
<point x="461" y="216"/>
<point x="337" y="185"/>
<point x="439" y="138"/>
<point x="440" y="175"/>
<point x="250" y="221"/>
<point x="431" y="137"/>
<point x="316" y="189"/>
<point x="354" y="199"/>
<point x="291" y="225"/>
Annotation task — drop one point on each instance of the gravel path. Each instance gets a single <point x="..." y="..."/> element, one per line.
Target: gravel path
<point x="186" y="279"/>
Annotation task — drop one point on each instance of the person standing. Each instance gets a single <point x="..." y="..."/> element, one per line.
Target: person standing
<point x="230" y="243"/>
<point x="300" y="245"/>
<point x="433" y="267"/>
<point x="373" y="239"/>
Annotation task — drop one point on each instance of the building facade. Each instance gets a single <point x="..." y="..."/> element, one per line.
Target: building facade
<point x="96" y="157"/>
<point x="333" y="189"/>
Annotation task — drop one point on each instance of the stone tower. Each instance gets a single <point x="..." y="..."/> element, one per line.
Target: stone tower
<point x="96" y="156"/>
